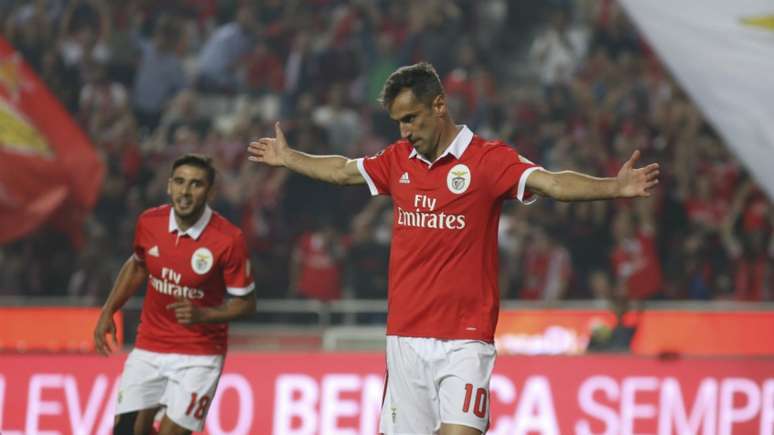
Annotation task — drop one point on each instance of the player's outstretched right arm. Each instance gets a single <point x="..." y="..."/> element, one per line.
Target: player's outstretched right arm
<point x="132" y="274"/>
<point x="274" y="151"/>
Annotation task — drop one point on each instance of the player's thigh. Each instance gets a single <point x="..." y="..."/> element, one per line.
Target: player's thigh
<point x="169" y="427"/>
<point x="457" y="429"/>
<point x="135" y="422"/>
<point x="191" y="389"/>
<point x="464" y="386"/>
<point x="142" y="383"/>
<point x="411" y="398"/>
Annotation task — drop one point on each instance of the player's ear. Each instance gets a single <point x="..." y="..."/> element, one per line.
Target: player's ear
<point x="169" y="186"/>
<point x="439" y="105"/>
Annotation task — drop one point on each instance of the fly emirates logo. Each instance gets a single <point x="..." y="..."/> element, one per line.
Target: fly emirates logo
<point x="424" y="216"/>
<point x="169" y="284"/>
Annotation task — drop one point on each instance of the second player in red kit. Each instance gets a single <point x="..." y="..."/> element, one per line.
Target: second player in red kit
<point x="447" y="186"/>
<point x="192" y="258"/>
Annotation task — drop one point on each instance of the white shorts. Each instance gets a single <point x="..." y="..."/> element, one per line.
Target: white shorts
<point x="431" y="381"/>
<point x="184" y="384"/>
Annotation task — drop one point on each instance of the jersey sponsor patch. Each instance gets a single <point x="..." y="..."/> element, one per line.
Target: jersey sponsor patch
<point x="202" y="260"/>
<point x="458" y="179"/>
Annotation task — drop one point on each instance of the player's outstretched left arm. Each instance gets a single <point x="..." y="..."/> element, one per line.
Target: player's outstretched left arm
<point x="630" y="182"/>
<point x="235" y="307"/>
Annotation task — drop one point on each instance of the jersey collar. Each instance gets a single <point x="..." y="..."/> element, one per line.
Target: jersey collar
<point x="456" y="148"/>
<point x="195" y="230"/>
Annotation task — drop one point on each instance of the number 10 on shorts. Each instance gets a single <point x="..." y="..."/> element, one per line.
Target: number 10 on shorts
<point x="479" y="406"/>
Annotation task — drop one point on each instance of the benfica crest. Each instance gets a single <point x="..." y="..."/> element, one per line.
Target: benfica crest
<point x="458" y="179"/>
<point x="201" y="261"/>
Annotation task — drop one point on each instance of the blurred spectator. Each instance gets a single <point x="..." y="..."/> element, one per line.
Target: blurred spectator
<point x="85" y="30"/>
<point x="704" y="208"/>
<point x="382" y="63"/>
<point x="92" y="277"/>
<point x="301" y="67"/>
<point x="613" y="32"/>
<point x="316" y="269"/>
<point x="304" y="198"/>
<point x="368" y="254"/>
<point x="752" y="254"/>
<point x="31" y="29"/>
<point x="587" y="236"/>
<point x="697" y="268"/>
<point x="634" y="257"/>
<point x="64" y="82"/>
<point x="123" y="42"/>
<point x="182" y="111"/>
<point x="619" y="337"/>
<point x="264" y="70"/>
<point x="160" y="72"/>
<point x="558" y="51"/>
<point x="223" y="54"/>
<point x="511" y="239"/>
<point x="104" y="105"/>
<point x="601" y="285"/>
<point x="367" y="257"/>
<point x="547" y="267"/>
<point x="431" y="26"/>
<point x="340" y="122"/>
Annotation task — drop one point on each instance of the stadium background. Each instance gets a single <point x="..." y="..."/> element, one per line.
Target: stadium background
<point x="675" y="280"/>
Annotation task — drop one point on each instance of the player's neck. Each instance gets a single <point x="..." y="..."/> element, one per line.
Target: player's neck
<point x="186" y="222"/>
<point x="448" y="132"/>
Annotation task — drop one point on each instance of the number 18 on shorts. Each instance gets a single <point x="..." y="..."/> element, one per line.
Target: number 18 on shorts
<point x="184" y="384"/>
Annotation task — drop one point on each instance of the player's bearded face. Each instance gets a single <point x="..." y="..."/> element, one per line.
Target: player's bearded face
<point x="188" y="188"/>
<point x="418" y="122"/>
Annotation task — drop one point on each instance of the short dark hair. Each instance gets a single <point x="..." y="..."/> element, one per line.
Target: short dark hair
<point x="421" y="78"/>
<point x="198" y="160"/>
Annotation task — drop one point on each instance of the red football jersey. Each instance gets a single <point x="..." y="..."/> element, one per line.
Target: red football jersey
<point x="320" y="269"/>
<point x="443" y="258"/>
<point x="636" y="263"/>
<point x="201" y="264"/>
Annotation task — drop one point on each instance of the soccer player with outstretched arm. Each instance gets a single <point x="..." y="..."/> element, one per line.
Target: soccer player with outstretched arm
<point x="448" y="186"/>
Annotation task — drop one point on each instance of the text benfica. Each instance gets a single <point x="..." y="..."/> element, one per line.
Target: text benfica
<point x="170" y="288"/>
<point x="430" y="220"/>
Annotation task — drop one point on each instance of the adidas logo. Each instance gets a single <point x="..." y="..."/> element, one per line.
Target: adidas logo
<point x="154" y="251"/>
<point x="404" y="179"/>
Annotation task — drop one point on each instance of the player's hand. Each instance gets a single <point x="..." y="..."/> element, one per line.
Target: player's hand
<point x="105" y="326"/>
<point x="269" y="150"/>
<point x="186" y="312"/>
<point x="636" y="182"/>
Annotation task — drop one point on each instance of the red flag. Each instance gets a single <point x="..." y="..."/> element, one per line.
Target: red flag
<point x="49" y="170"/>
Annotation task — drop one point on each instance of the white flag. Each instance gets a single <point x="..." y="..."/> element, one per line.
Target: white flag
<point x="722" y="53"/>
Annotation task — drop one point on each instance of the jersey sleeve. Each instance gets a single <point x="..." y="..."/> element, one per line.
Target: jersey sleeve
<point x="509" y="173"/>
<point x="376" y="170"/>
<point x="237" y="273"/>
<point x="138" y="248"/>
